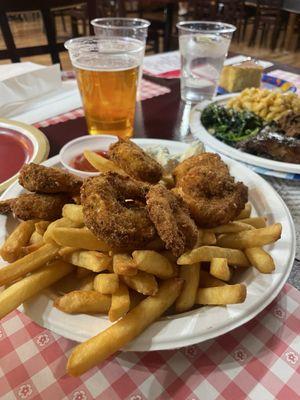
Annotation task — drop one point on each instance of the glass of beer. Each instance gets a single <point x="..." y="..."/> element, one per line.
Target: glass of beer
<point x="107" y="71"/>
<point x="136" y="28"/>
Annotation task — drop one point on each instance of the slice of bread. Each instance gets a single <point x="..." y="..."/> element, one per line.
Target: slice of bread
<point x="235" y="78"/>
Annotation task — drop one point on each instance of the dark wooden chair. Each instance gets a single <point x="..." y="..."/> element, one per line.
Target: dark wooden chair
<point x="269" y="17"/>
<point x="247" y="17"/>
<point x="219" y="10"/>
<point x="122" y="8"/>
<point x="159" y="13"/>
<point x="12" y="52"/>
<point x="202" y="10"/>
<point x="228" y="11"/>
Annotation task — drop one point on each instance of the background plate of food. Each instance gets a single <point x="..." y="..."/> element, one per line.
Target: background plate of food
<point x="19" y="143"/>
<point x="149" y="270"/>
<point x="257" y="126"/>
<point x="269" y="82"/>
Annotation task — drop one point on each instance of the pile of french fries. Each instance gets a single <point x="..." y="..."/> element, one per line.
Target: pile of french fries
<point x="134" y="288"/>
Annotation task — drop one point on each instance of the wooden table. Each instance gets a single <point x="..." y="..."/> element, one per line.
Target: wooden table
<point x="163" y="117"/>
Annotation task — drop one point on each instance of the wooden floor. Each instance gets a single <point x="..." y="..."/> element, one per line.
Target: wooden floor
<point x="28" y="33"/>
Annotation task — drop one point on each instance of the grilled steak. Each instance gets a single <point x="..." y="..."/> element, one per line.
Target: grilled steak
<point x="290" y="124"/>
<point x="275" y="145"/>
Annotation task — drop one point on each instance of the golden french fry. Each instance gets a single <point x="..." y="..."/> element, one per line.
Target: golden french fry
<point x="78" y="237"/>
<point x="87" y="283"/>
<point x="22" y="290"/>
<point x="190" y="274"/>
<point x="207" y="280"/>
<point x="154" y="263"/>
<point x="67" y="250"/>
<point x="71" y="283"/>
<point x="83" y="301"/>
<point x="32" y="247"/>
<point x="97" y="349"/>
<point x="207" y="253"/>
<point x="205" y="237"/>
<point x="28" y="263"/>
<point x="42" y="226"/>
<point x="101" y="164"/>
<point x="36" y="238"/>
<point x="142" y="282"/>
<point x="256" y="222"/>
<point x="221" y="295"/>
<point x="219" y="269"/>
<point x="92" y="260"/>
<point x="246" y="212"/>
<point x="120" y="303"/>
<point x="123" y="264"/>
<point x="12" y="247"/>
<point x="231" y="227"/>
<point x="260" y="259"/>
<point x="208" y="238"/>
<point x="106" y="283"/>
<point x="59" y="223"/>
<point x="73" y="212"/>
<point x="253" y="238"/>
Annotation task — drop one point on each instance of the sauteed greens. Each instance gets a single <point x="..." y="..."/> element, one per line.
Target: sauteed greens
<point x="229" y="125"/>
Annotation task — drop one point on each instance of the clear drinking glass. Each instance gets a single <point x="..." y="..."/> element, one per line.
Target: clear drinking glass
<point x="135" y="28"/>
<point x="203" y="49"/>
<point x="107" y="72"/>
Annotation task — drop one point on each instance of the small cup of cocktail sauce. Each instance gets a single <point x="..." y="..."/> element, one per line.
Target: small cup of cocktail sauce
<point x="72" y="157"/>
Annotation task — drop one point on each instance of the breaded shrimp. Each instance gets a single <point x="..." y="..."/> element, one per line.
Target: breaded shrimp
<point x="36" y="206"/>
<point x="114" y="210"/>
<point x="38" y="178"/>
<point x="135" y="162"/>
<point x="208" y="189"/>
<point x="172" y="219"/>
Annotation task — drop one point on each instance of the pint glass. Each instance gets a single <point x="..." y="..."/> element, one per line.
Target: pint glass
<point x="107" y="71"/>
<point x="135" y="28"/>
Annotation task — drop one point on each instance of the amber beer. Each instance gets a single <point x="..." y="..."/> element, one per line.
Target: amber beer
<point x="109" y="100"/>
<point x="107" y="77"/>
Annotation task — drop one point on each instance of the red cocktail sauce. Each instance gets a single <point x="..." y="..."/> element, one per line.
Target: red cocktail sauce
<point x="15" y="150"/>
<point x="81" y="163"/>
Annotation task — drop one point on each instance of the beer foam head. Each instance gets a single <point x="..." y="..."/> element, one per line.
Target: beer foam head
<point x="95" y="53"/>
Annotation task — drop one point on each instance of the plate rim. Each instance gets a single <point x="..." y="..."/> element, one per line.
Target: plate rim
<point x="194" y="338"/>
<point x="41" y="145"/>
<point x="198" y="130"/>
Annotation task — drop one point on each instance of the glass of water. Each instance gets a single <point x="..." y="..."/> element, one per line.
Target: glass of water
<point x="203" y="49"/>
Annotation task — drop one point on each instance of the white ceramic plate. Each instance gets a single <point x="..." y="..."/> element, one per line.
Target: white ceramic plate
<point x="36" y="140"/>
<point x="201" y="324"/>
<point x="201" y="132"/>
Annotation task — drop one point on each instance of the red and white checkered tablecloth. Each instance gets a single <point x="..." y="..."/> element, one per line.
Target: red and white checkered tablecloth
<point x="258" y="361"/>
<point x="148" y="91"/>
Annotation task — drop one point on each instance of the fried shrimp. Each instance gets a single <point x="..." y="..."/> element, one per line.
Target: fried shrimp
<point x="135" y="162"/>
<point x="208" y="189"/>
<point x="5" y="206"/>
<point x="38" y="178"/>
<point x="171" y="219"/>
<point x="114" y="210"/>
<point x="36" y="206"/>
